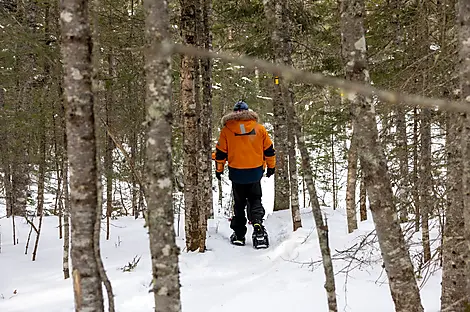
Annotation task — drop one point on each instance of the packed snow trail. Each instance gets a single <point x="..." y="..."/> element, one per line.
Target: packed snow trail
<point x="226" y="278"/>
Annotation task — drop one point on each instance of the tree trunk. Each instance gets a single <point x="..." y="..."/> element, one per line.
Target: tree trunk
<point x="285" y="52"/>
<point x="66" y="249"/>
<point x="203" y="172"/>
<point x="81" y="149"/>
<point x="205" y="124"/>
<point x="108" y="160"/>
<point x="294" y="186"/>
<point x="321" y="225"/>
<point x="362" y="197"/>
<point x="426" y="181"/>
<point x="4" y="153"/>
<point x="453" y="245"/>
<point x="166" y="286"/>
<point x="41" y="178"/>
<point x="416" y="198"/>
<point x="402" y="154"/>
<point x="396" y="8"/>
<point x="464" y="55"/>
<point x="97" y="251"/>
<point x="276" y="14"/>
<point x="402" y="283"/>
<point x="333" y="172"/>
<point x="351" y="184"/>
<point x="135" y="210"/>
<point x="8" y="190"/>
<point x="189" y="66"/>
<point x="456" y="241"/>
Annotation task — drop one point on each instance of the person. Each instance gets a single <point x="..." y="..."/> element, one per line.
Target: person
<point x="246" y="146"/>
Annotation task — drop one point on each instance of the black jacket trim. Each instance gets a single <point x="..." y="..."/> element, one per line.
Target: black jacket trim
<point x="219" y="155"/>
<point x="270" y="152"/>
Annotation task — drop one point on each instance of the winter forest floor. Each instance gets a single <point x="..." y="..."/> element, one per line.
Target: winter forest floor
<point x="286" y="277"/>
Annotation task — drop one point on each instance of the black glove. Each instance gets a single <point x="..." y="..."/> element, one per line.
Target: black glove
<point x="218" y="175"/>
<point x="270" y="172"/>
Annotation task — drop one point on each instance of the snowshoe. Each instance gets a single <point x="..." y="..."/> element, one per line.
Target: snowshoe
<point x="239" y="241"/>
<point x="260" y="236"/>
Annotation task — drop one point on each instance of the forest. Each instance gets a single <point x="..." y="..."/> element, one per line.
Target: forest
<point x="118" y="180"/>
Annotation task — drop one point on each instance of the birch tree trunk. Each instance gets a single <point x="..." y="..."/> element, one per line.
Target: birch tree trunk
<point x="166" y="286"/>
<point x="351" y="184"/>
<point x="400" y="272"/>
<point x="189" y="67"/>
<point x="76" y="52"/>
<point x="294" y="186"/>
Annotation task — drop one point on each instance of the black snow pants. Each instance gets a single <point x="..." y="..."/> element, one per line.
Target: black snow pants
<point x="248" y="195"/>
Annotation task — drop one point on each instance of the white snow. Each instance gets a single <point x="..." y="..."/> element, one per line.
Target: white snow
<point x="264" y="97"/>
<point x="286" y="277"/>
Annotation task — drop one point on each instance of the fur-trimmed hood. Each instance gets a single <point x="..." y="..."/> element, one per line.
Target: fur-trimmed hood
<point x="244" y="115"/>
<point x="240" y="122"/>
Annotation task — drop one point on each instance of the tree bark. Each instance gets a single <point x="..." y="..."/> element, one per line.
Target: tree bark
<point x="402" y="283"/>
<point x="453" y="245"/>
<point x="166" y="286"/>
<point x="351" y="184"/>
<point x="362" y="197"/>
<point x="288" y="97"/>
<point x="76" y="51"/>
<point x="276" y="14"/>
<point x="294" y="187"/>
<point x="464" y="55"/>
<point x="189" y="68"/>
<point x="205" y="125"/>
<point x="456" y="242"/>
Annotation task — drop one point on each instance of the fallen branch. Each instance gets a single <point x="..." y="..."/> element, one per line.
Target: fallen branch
<point x="290" y="73"/>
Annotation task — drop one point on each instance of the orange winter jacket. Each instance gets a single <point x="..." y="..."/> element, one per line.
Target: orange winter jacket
<point x="247" y="147"/>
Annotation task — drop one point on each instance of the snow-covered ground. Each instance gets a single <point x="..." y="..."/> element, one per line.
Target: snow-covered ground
<point x="285" y="277"/>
